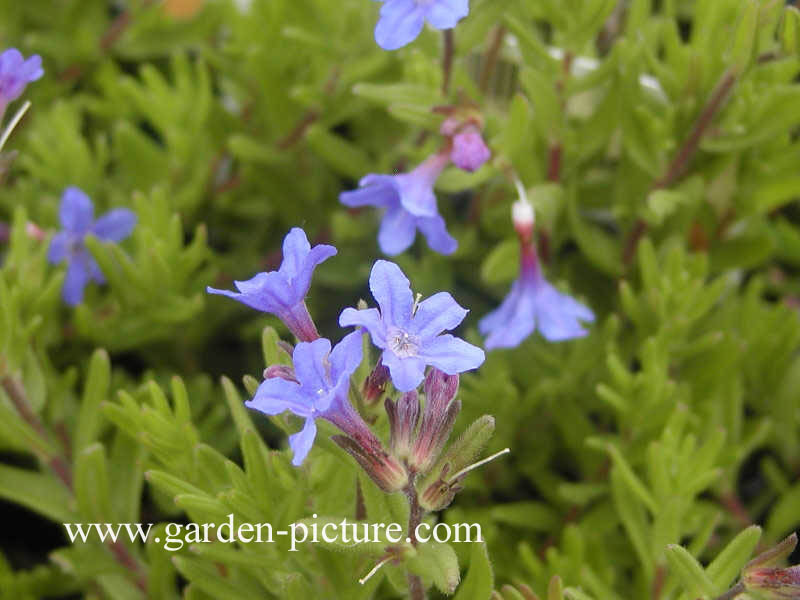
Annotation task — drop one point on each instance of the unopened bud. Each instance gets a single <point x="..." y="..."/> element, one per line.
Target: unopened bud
<point x="761" y="576"/>
<point x="438" y="494"/>
<point x="773" y="583"/>
<point x="34" y="232"/>
<point x="383" y="468"/>
<point x="469" y="150"/>
<point x="403" y="419"/>
<point x="438" y="418"/>
<point x="283" y="371"/>
<point x="375" y="384"/>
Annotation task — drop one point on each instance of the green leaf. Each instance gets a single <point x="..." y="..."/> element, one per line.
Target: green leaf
<point x="40" y="492"/>
<point x="728" y="563"/>
<point x="437" y="562"/>
<point x="501" y="265"/>
<point x="92" y="489"/>
<point x="479" y="582"/>
<point x="95" y="392"/>
<point x="691" y="573"/>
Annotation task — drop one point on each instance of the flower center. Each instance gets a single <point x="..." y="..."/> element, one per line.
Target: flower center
<point x="402" y="343"/>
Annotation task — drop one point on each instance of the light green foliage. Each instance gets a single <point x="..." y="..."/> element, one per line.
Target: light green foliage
<point x="660" y="145"/>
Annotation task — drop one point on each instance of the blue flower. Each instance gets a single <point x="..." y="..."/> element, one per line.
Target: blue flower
<point x="533" y="303"/>
<point x="283" y="292"/>
<point x="77" y="219"/>
<point x="16" y="73"/>
<point x="401" y="21"/>
<point x="320" y="389"/>
<point x="409" y="334"/>
<point x="410" y="205"/>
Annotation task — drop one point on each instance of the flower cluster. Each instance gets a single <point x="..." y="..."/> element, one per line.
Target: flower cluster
<point x="317" y="385"/>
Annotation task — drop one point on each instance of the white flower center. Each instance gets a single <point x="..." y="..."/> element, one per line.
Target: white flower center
<point x="402" y="343"/>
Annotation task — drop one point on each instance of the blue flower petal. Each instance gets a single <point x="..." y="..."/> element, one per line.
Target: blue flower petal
<point x="374" y="190"/>
<point x="369" y="319"/>
<point x="407" y="373"/>
<point x="301" y="442"/>
<point x="435" y="231"/>
<point x="444" y="14"/>
<point x="557" y="316"/>
<point x="309" y="367"/>
<point x="59" y="247"/>
<point x="438" y="313"/>
<point x="276" y="395"/>
<point x="400" y="23"/>
<point x="392" y="291"/>
<point x="302" y="281"/>
<point x="295" y="251"/>
<point x="75" y="281"/>
<point x="416" y="193"/>
<point x="115" y="225"/>
<point x="76" y="211"/>
<point x="346" y="357"/>
<point x="397" y="231"/>
<point x="451" y="354"/>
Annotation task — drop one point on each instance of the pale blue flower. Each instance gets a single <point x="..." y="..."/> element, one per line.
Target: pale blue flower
<point x="283" y="292"/>
<point x="410" y="335"/>
<point x="15" y="73"/>
<point x="533" y="303"/>
<point x="319" y="390"/>
<point x="77" y="219"/>
<point x="409" y="204"/>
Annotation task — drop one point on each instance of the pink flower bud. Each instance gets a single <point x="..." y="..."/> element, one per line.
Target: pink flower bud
<point x="375" y="384"/>
<point x="283" y="371"/>
<point x="403" y="419"/>
<point x="773" y="583"/>
<point x="437" y="421"/>
<point x="383" y="468"/>
<point x="469" y="150"/>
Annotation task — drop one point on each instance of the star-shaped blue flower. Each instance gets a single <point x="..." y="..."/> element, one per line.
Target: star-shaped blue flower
<point x="77" y="219"/>
<point x="533" y="303"/>
<point x="401" y="21"/>
<point x="320" y="390"/>
<point x="410" y="335"/>
<point x="16" y="73"/>
<point x="409" y="204"/>
<point x="283" y="292"/>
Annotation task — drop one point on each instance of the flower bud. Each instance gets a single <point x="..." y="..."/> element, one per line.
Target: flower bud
<point x="761" y="576"/>
<point x="438" y="418"/>
<point x="282" y="371"/>
<point x="773" y="583"/>
<point x="438" y="494"/>
<point x="383" y="468"/>
<point x="523" y="218"/>
<point x="403" y="419"/>
<point x="375" y="384"/>
<point x="469" y="150"/>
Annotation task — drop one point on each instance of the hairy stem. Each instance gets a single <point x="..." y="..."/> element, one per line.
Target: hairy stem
<point x="416" y="591"/>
